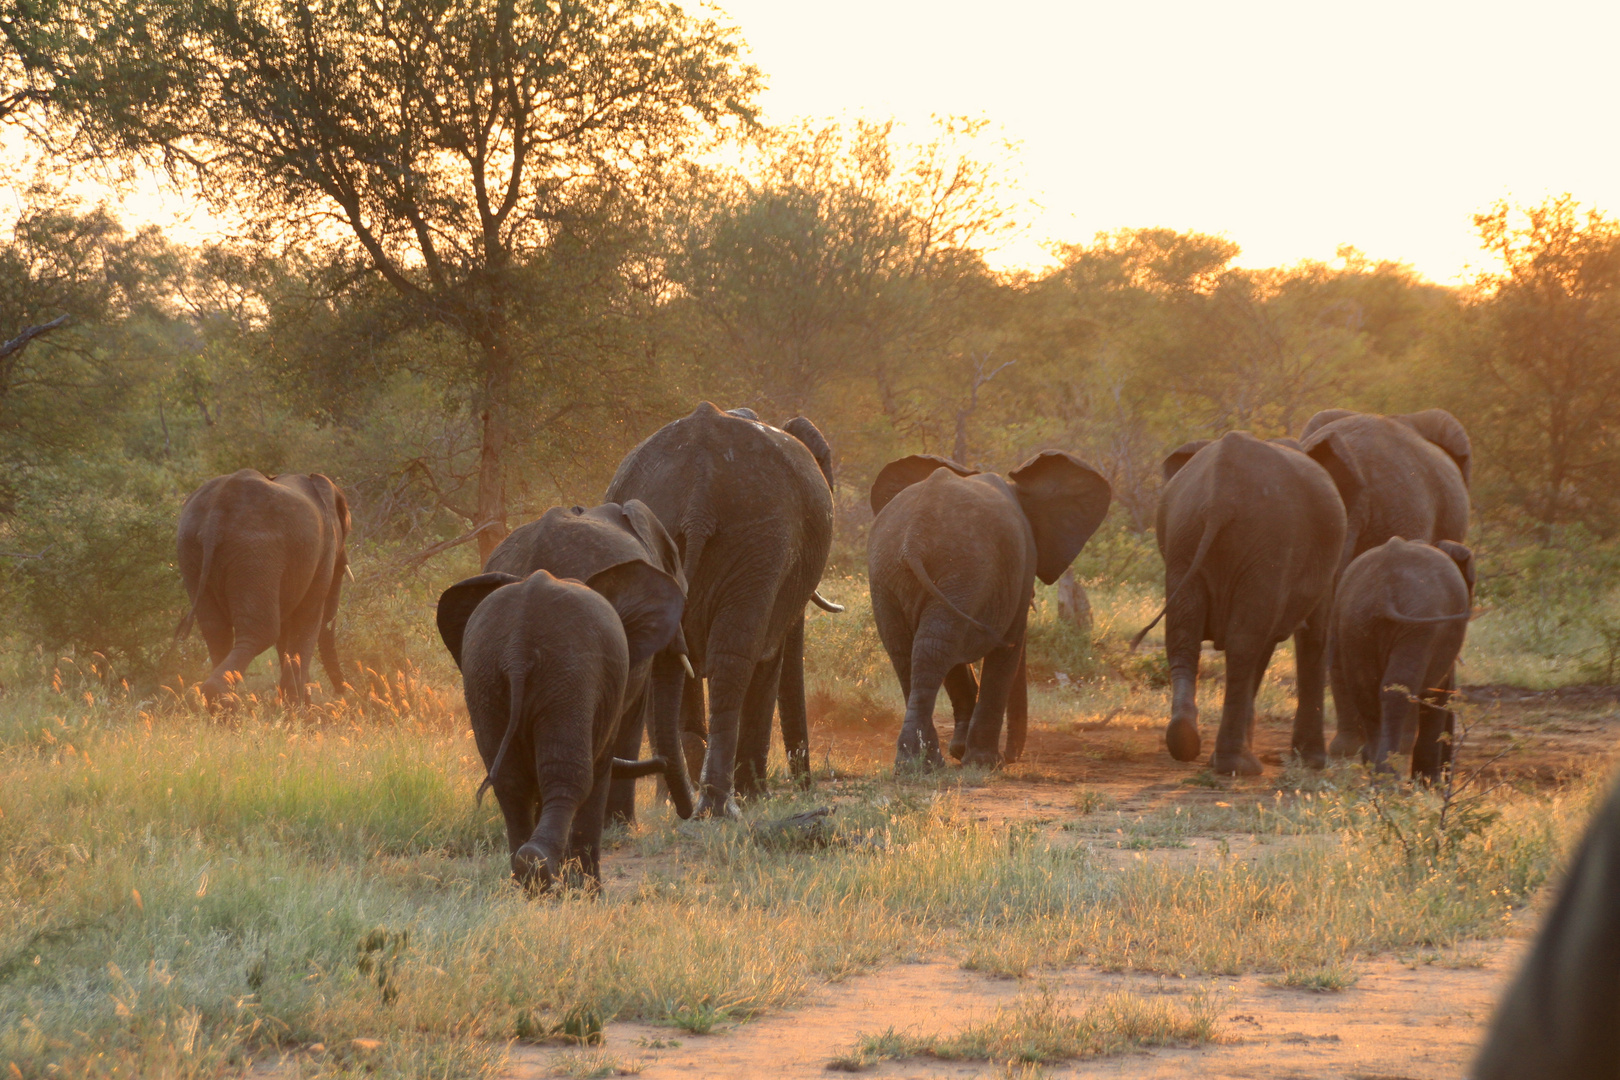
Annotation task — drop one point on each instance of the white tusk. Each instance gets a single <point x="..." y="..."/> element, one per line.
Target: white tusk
<point x="349" y="570"/>
<point x="687" y="664"/>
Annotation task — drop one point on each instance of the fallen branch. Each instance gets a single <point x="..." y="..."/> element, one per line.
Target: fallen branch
<point x="20" y="342"/>
<point x="423" y="556"/>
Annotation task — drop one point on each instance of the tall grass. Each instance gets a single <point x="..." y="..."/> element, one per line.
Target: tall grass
<point x="178" y="893"/>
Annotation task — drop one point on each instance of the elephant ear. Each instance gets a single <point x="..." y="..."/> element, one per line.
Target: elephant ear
<point x="649" y="603"/>
<point x="459" y="601"/>
<point x="1330" y="450"/>
<point x="655" y="538"/>
<point x="1446" y="432"/>
<point x="1322" y="420"/>
<point x="1464" y="558"/>
<point x="802" y="429"/>
<point x="1181" y="455"/>
<point x="1065" y="501"/>
<point x="901" y="473"/>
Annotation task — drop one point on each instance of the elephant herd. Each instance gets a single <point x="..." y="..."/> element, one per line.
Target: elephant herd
<point x="676" y="608"/>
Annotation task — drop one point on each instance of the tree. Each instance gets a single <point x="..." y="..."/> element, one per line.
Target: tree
<point x="1548" y="348"/>
<point x="445" y="143"/>
<point x="834" y="254"/>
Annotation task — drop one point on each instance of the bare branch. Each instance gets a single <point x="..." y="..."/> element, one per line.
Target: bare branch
<point x="20" y="342"/>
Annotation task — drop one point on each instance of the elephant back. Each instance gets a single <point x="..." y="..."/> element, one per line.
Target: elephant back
<point x="741" y="500"/>
<point x="575" y="542"/>
<point x="1394" y="480"/>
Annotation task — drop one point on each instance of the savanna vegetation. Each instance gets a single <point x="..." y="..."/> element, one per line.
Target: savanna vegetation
<point x="471" y="252"/>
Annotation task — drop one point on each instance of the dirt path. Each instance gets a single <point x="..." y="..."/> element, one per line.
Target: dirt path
<point x="1401" y="1020"/>
<point x="1418" y="1019"/>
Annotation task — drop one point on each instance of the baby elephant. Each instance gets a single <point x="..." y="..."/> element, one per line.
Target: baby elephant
<point x="1399" y="619"/>
<point x="545" y="665"/>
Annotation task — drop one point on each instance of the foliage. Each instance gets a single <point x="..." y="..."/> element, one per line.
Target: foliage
<point x="1546" y="349"/>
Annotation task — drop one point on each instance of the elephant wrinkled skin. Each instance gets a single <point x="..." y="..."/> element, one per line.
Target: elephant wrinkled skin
<point x="1403" y="476"/>
<point x="1400" y="613"/>
<point x="750" y="509"/>
<point x="1251" y="533"/>
<point x="263" y="561"/>
<point x="952" y="560"/>
<point x="577" y="543"/>
<point x="545" y="665"/>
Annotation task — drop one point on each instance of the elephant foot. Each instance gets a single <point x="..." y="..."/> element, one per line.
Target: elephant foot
<point x="913" y="749"/>
<point x="531" y="869"/>
<point x="1312" y="757"/>
<point x="1242" y="763"/>
<point x="982" y="759"/>
<point x="1345" y="746"/>
<point x="715" y="803"/>
<point x="1181" y="736"/>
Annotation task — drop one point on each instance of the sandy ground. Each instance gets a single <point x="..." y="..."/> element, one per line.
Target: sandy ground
<point x="1401" y="1020"/>
<point x="1414" y="1017"/>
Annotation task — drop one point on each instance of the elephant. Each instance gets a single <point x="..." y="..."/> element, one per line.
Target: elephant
<point x="1403" y="476"/>
<point x="576" y="543"/>
<point x="749" y="507"/>
<point x="1560" y="1017"/>
<point x="547" y="665"/>
<point x="1250" y="531"/>
<point x="952" y="560"/>
<point x="263" y="561"/>
<point x="1400" y="613"/>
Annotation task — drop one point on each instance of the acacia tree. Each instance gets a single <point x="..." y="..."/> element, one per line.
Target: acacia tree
<point x="447" y="141"/>
<point x="1549" y="348"/>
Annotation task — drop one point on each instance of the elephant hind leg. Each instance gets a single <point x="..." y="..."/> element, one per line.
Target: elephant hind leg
<point x="1431" y="754"/>
<point x="1246" y="663"/>
<point x="791" y="705"/>
<point x="566" y="775"/>
<point x="918" y="737"/>
<point x="256" y="627"/>
<point x="215" y="624"/>
<point x="1183" y="645"/>
<point x="963" y="690"/>
<point x="1310" y="666"/>
<point x="754" y="740"/>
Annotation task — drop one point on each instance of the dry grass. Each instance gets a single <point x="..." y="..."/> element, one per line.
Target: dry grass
<point x="1042" y="1028"/>
<point x="180" y="893"/>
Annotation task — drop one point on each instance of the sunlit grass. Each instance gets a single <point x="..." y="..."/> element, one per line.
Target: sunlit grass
<point x="180" y="892"/>
<point x="1043" y="1028"/>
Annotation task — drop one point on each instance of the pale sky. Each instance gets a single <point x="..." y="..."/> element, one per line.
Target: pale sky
<point x="1291" y="127"/>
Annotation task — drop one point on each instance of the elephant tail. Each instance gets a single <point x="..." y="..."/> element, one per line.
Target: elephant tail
<point x="1393" y="615"/>
<point x="515" y="716"/>
<point x="183" y="630"/>
<point x="1212" y="529"/>
<point x="915" y="565"/>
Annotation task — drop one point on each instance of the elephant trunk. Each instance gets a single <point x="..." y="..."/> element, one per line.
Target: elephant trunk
<point x="668" y="678"/>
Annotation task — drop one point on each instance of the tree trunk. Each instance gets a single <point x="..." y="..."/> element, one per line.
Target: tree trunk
<point x="1073" y="604"/>
<point x="492" y="451"/>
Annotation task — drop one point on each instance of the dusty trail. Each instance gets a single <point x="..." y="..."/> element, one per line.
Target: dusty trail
<point x="1419" y="1021"/>
<point x="1415" y="1017"/>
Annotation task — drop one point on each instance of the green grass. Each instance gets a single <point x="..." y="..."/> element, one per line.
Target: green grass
<point x="179" y="893"/>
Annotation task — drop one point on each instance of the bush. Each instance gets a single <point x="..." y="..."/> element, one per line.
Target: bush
<point x="100" y="573"/>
